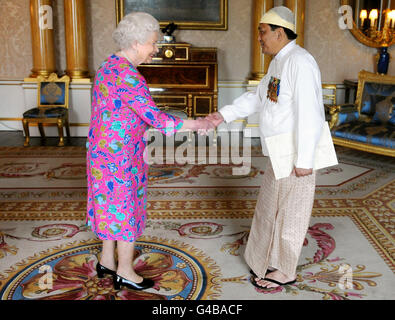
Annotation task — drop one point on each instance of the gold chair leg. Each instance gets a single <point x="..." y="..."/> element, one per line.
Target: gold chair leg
<point x="60" y="130"/>
<point x="41" y="129"/>
<point x="67" y="128"/>
<point x="27" y="135"/>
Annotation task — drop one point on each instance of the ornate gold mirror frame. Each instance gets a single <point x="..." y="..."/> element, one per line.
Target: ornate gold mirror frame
<point x="385" y="38"/>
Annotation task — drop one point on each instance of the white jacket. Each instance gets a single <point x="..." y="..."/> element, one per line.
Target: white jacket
<point x="299" y="108"/>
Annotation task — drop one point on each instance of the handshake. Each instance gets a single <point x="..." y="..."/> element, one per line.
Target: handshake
<point x="204" y="125"/>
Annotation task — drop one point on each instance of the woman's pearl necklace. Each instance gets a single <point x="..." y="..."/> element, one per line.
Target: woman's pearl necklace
<point x="127" y="58"/>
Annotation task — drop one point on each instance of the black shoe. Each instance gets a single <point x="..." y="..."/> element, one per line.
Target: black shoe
<point x="101" y="271"/>
<point x="255" y="283"/>
<point x="120" y="281"/>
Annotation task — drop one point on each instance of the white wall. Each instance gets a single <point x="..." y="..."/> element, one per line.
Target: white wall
<point x="17" y="96"/>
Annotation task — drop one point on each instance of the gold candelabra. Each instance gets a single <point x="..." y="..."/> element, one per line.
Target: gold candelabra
<point x="381" y="36"/>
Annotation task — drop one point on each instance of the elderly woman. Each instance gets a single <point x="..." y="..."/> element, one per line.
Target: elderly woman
<point x="122" y="111"/>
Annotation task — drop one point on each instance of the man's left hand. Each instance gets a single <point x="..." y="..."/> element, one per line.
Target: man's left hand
<point x="299" y="172"/>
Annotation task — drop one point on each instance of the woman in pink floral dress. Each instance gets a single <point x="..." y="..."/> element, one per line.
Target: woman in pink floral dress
<point x="122" y="111"/>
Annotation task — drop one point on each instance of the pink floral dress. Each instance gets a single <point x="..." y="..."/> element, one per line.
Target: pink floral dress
<point x="117" y="175"/>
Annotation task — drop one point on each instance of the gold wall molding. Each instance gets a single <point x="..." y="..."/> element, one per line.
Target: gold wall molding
<point x="298" y="7"/>
<point x="42" y="38"/>
<point x="260" y="62"/>
<point x="76" y="44"/>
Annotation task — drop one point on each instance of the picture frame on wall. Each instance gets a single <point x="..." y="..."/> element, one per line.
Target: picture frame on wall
<point x="186" y="14"/>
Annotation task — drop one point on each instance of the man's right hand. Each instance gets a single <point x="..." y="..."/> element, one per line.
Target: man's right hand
<point x="215" y="118"/>
<point x="299" y="172"/>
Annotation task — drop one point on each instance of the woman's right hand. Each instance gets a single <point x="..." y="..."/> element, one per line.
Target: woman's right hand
<point x="216" y="118"/>
<point x="204" y="126"/>
<point x="201" y="125"/>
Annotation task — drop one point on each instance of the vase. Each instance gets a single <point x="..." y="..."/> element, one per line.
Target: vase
<point x="384" y="61"/>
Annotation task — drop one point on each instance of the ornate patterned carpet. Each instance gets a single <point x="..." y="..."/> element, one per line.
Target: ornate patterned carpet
<point x="199" y="220"/>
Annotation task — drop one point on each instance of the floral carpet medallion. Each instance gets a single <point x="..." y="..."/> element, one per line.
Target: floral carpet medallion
<point x="199" y="217"/>
<point x="328" y="268"/>
<point x="68" y="272"/>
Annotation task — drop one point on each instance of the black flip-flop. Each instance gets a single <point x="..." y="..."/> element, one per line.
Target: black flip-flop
<point x="254" y="276"/>
<point x="279" y="283"/>
<point x="254" y="283"/>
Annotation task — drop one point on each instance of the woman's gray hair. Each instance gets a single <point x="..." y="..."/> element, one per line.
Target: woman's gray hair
<point x="135" y="26"/>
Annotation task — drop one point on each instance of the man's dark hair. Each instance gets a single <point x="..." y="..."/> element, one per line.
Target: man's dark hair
<point x="290" y="34"/>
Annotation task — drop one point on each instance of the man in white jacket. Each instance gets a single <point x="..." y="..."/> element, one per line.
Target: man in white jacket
<point x="289" y="100"/>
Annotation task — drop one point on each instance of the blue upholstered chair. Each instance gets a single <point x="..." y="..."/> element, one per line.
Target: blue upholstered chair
<point x="52" y="106"/>
<point x="369" y="124"/>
